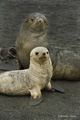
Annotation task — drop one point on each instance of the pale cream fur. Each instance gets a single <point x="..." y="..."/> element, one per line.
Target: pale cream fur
<point x="32" y="80"/>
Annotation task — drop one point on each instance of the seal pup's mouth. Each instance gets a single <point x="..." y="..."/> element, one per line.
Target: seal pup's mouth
<point x="43" y="58"/>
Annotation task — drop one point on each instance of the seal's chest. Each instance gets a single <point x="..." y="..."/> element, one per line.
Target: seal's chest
<point x="44" y="79"/>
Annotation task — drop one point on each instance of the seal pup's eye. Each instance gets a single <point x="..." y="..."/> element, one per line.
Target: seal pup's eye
<point x="47" y="52"/>
<point x="37" y="53"/>
<point x="32" y="19"/>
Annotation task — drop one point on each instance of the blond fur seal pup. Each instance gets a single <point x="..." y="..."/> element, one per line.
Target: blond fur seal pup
<point x="32" y="34"/>
<point x="32" y="80"/>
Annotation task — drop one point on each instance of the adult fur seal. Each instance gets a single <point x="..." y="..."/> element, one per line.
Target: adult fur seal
<point x="32" y="80"/>
<point x="32" y="34"/>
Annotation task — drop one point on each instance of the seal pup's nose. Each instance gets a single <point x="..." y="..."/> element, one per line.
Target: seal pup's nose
<point x="44" y="53"/>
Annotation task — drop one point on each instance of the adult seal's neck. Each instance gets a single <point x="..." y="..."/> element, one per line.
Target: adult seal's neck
<point x="39" y="34"/>
<point x="30" y="31"/>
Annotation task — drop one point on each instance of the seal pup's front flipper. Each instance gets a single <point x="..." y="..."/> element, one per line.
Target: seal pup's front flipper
<point x="57" y="88"/>
<point x="36" y="96"/>
<point x="35" y="101"/>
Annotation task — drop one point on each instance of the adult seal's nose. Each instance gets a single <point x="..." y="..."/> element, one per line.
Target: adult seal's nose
<point x="40" y="20"/>
<point x="44" y="53"/>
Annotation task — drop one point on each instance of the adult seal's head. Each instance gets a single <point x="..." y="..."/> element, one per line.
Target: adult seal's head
<point x="33" y="33"/>
<point x="36" y="22"/>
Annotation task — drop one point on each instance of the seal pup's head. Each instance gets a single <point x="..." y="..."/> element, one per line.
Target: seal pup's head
<point x="39" y="55"/>
<point x="36" y="22"/>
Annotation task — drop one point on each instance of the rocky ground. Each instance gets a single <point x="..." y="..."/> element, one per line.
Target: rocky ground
<point x="63" y="33"/>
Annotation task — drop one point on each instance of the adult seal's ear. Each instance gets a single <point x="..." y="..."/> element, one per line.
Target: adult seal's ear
<point x="26" y="20"/>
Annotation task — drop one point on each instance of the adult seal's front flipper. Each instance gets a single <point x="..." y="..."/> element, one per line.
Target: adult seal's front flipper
<point x="35" y="101"/>
<point x="57" y="88"/>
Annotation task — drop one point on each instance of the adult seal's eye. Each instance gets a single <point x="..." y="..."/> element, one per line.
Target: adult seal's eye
<point x="32" y="20"/>
<point x="37" y="53"/>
